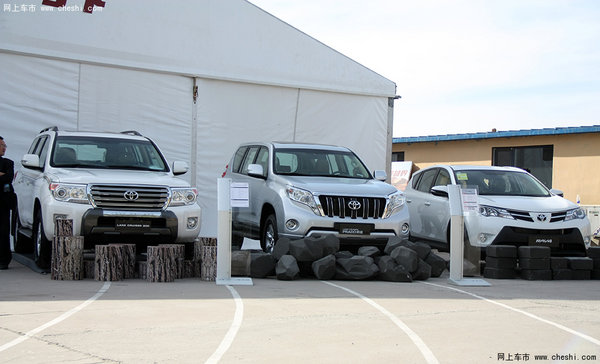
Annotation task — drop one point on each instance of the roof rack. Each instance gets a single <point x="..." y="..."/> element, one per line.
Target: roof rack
<point x="50" y="128"/>
<point x="131" y="132"/>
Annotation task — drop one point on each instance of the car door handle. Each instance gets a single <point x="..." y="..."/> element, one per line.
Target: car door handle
<point x="427" y="203"/>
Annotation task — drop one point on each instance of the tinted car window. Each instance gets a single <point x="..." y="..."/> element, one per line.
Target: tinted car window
<point x="442" y="179"/>
<point x="249" y="159"/>
<point x="237" y="160"/>
<point x="426" y="181"/>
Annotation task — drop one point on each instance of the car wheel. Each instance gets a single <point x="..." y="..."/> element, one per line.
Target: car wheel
<point x="269" y="235"/>
<point x="22" y="244"/>
<point x="41" y="245"/>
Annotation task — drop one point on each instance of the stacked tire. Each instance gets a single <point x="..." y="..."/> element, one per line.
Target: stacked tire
<point x="535" y="263"/>
<point x="501" y="262"/>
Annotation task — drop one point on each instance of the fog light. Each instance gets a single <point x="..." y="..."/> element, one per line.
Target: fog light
<point x="192" y="222"/>
<point x="483" y="237"/>
<point x="404" y="229"/>
<point x="292" y="224"/>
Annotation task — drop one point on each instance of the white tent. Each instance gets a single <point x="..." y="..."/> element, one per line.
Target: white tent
<point x="198" y="77"/>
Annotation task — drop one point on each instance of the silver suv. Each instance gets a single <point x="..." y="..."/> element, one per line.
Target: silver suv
<point x="112" y="185"/>
<point x="299" y="190"/>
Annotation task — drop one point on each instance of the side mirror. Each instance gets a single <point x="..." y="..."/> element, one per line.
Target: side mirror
<point x="440" y="191"/>
<point x="380" y="175"/>
<point x="31" y="161"/>
<point x="556" y="192"/>
<point x="256" y="170"/>
<point x="180" y="167"/>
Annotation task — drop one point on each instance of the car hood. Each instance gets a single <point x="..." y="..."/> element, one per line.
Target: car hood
<point x="524" y="203"/>
<point x="115" y="176"/>
<point x="342" y="186"/>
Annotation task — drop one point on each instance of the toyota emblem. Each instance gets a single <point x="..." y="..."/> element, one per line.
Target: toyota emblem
<point x="130" y="195"/>
<point x="542" y="217"/>
<point x="354" y="205"/>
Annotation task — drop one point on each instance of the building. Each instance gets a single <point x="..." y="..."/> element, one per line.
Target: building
<point x="565" y="158"/>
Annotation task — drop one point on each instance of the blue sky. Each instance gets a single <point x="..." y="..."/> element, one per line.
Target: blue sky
<point x="465" y="66"/>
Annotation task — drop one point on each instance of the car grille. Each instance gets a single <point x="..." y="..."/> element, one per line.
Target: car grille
<point x="352" y="207"/>
<point x="525" y="216"/>
<point x="129" y="197"/>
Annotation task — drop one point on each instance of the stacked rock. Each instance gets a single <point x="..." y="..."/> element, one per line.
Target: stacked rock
<point x="320" y="256"/>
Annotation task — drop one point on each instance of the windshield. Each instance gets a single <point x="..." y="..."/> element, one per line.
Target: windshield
<point x="97" y="152"/>
<point x="318" y="162"/>
<point x="502" y="183"/>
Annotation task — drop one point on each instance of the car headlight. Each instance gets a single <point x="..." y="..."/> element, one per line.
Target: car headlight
<point x="577" y="213"/>
<point x="490" y="211"/>
<point x="183" y="196"/>
<point x="66" y="192"/>
<point x="395" y="201"/>
<point x="304" y="197"/>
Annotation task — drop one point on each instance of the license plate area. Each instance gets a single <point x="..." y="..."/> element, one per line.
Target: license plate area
<point x="132" y="225"/>
<point x="354" y="229"/>
<point x="544" y="240"/>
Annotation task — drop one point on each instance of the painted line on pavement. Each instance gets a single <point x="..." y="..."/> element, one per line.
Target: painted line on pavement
<point x="428" y="354"/>
<point x="233" y="329"/>
<point x="60" y="318"/>
<point x="564" y="328"/>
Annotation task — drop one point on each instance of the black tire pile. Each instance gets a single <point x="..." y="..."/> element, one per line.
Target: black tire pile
<point x="320" y="257"/>
<point x="536" y="263"/>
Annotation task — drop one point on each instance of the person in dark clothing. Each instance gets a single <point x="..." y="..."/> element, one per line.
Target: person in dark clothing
<point x="6" y="205"/>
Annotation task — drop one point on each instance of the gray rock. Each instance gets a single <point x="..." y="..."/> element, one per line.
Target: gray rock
<point x="324" y="268"/>
<point x="391" y="271"/>
<point x="437" y="263"/>
<point x="343" y="254"/>
<point x="369" y="251"/>
<point x="281" y="248"/>
<point x="241" y="263"/>
<point x="306" y="250"/>
<point x="287" y="268"/>
<point x="262" y="265"/>
<point x="356" y="268"/>
<point x="423" y="271"/>
<point x="406" y="257"/>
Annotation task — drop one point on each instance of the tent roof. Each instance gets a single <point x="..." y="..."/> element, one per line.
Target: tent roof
<point x="219" y="39"/>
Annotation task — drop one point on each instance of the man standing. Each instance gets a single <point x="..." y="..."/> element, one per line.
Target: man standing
<point x="6" y="204"/>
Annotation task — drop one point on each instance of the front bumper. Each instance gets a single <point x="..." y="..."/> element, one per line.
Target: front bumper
<point x="569" y="238"/>
<point x="357" y="230"/>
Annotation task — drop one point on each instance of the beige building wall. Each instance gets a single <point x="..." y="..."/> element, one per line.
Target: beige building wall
<point x="575" y="167"/>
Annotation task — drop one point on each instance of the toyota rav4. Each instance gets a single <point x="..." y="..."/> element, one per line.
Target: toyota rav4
<point x="299" y="190"/>
<point x="112" y="185"/>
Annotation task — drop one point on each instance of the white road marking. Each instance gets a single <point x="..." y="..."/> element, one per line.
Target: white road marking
<point x="60" y="318"/>
<point x="233" y="329"/>
<point x="564" y="328"/>
<point x="428" y="354"/>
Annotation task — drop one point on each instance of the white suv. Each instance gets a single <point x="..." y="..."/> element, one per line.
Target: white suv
<point x="114" y="186"/>
<point x="299" y="190"/>
<point x="514" y="208"/>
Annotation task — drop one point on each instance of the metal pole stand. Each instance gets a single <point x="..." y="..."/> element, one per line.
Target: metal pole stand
<point x="457" y="242"/>
<point x="224" y="237"/>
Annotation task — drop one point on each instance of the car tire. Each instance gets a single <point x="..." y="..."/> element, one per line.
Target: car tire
<point x="269" y="234"/>
<point x="22" y="244"/>
<point x="41" y="245"/>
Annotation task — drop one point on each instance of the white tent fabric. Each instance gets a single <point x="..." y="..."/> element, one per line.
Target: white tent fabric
<point x="197" y="77"/>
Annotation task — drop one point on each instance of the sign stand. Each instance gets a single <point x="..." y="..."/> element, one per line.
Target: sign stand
<point x="457" y="242"/>
<point x="224" y="237"/>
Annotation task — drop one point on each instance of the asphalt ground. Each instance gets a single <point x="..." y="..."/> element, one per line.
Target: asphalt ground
<point x="307" y="320"/>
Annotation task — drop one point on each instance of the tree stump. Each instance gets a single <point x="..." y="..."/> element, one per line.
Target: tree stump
<point x="208" y="270"/>
<point x="129" y="259"/>
<point x="67" y="258"/>
<point x="161" y="265"/>
<point x="67" y="252"/>
<point x="108" y="263"/>
<point x="178" y="251"/>
<point x="63" y="227"/>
